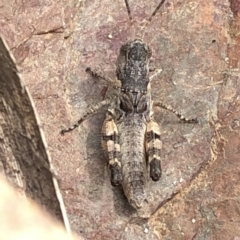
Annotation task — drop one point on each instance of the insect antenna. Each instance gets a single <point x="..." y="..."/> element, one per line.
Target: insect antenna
<point x="152" y="16"/>
<point x="156" y="10"/>
<point x="128" y="10"/>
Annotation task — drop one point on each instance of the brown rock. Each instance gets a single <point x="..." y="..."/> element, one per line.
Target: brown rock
<point x="196" y="197"/>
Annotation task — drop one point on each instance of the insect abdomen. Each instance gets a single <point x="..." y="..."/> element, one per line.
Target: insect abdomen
<point x="132" y="131"/>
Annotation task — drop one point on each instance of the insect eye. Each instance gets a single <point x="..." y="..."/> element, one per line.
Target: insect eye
<point x="123" y="49"/>
<point x="149" y="52"/>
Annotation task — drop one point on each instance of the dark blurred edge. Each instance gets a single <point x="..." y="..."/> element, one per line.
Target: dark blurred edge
<point x="23" y="152"/>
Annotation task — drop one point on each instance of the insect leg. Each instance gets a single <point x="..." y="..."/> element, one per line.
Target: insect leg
<point x="92" y="109"/>
<point x="169" y="108"/>
<point x="98" y="74"/>
<point x="153" y="148"/>
<point x="111" y="147"/>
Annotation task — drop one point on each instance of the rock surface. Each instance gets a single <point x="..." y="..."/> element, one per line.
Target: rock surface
<point x="24" y="158"/>
<point x="196" y="45"/>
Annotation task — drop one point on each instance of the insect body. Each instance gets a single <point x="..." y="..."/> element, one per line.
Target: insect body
<point x="129" y="124"/>
<point x="130" y="135"/>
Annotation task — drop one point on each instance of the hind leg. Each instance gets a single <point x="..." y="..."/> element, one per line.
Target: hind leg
<point x="169" y="108"/>
<point x="111" y="147"/>
<point x="153" y="148"/>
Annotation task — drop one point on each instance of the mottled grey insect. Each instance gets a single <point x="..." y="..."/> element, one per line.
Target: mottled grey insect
<point x="131" y="138"/>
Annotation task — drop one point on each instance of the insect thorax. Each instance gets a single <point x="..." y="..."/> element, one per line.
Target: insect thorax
<point x="133" y="66"/>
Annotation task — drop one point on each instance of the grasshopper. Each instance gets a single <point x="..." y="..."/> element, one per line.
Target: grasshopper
<point x="131" y="138"/>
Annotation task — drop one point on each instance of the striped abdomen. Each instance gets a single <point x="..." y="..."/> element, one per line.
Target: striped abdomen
<point x="132" y="134"/>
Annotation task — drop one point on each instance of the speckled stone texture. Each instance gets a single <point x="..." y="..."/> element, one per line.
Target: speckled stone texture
<point x="196" y="44"/>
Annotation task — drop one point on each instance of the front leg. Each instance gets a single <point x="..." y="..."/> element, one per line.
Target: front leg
<point x="153" y="148"/>
<point x="92" y="109"/>
<point x="111" y="147"/>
